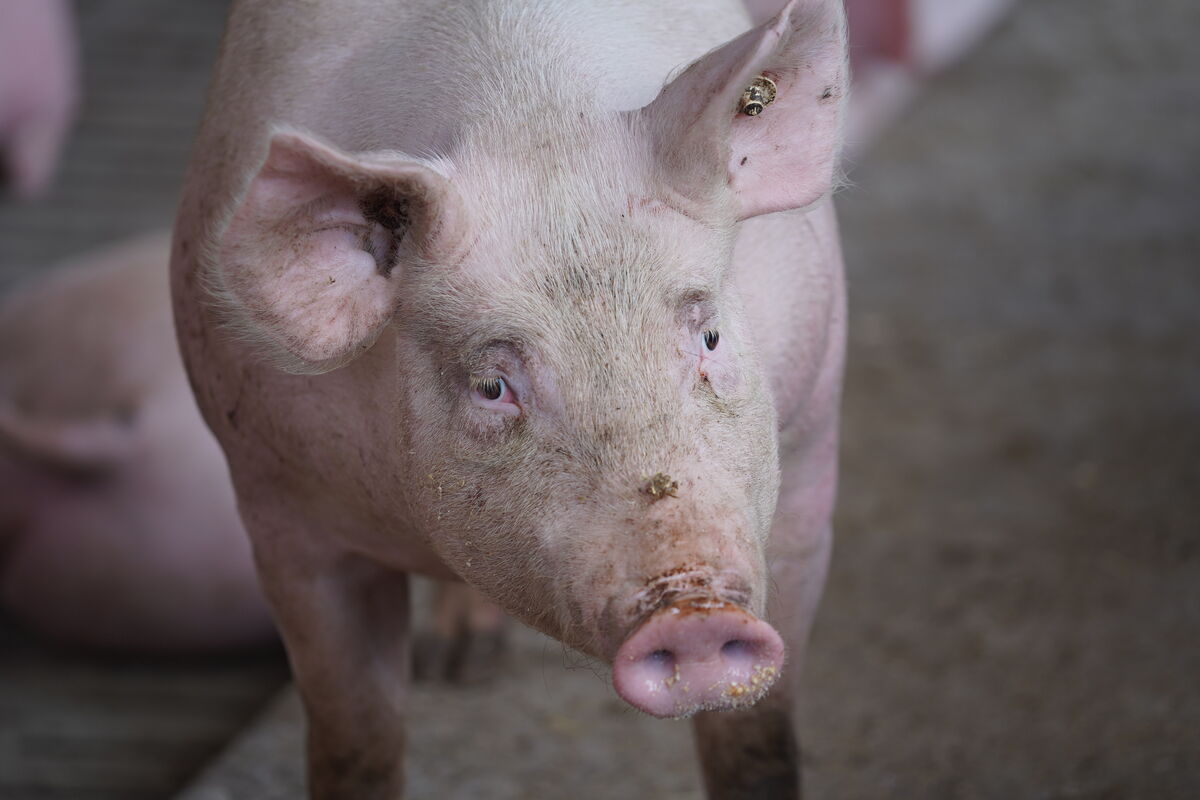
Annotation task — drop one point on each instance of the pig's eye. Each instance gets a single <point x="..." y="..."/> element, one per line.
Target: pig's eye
<point x="493" y="389"/>
<point x="711" y="338"/>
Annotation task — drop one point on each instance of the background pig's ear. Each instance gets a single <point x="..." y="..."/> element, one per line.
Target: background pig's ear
<point x="783" y="158"/>
<point x="310" y="261"/>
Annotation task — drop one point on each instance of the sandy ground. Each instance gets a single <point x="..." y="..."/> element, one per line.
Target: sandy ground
<point x="1014" y="607"/>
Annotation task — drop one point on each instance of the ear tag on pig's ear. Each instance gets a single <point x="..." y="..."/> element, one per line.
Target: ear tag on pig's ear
<point x="712" y="131"/>
<point x="661" y="485"/>
<point x="758" y="95"/>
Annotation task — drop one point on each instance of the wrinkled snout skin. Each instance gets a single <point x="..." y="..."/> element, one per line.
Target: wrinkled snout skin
<point x="516" y="294"/>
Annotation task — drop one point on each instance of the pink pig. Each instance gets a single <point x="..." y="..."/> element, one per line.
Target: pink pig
<point x="499" y="292"/>
<point x="38" y="90"/>
<point x="118" y="525"/>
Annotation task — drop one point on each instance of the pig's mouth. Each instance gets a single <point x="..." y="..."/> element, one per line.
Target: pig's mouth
<point x="695" y="650"/>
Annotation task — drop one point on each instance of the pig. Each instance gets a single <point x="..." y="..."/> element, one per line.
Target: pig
<point x="118" y="525"/>
<point x="39" y="90"/>
<point x="544" y="297"/>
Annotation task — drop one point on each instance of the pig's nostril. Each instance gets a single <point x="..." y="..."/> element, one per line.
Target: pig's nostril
<point x="738" y="651"/>
<point x="734" y="647"/>
<point x="658" y="665"/>
<point x="661" y="657"/>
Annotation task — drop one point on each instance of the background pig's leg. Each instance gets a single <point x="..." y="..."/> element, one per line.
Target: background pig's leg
<point x="755" y="754"/>
<point x="751" y="754"/>
<point x="466" y="641"/>
<point x="345" y="622"/>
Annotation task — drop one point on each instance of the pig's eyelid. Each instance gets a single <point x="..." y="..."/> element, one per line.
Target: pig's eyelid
<point x="697" y="297"/>
<point x="349" y="227"/>
<point x="698" y="308"/>
<point x="317" y="208"/>
<point x="482" y="356"/>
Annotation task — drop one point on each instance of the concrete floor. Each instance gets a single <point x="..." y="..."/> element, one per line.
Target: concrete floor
<point x="1014" y="607"/>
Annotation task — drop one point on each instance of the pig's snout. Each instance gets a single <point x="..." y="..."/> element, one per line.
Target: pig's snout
<point x="697" y="655"/>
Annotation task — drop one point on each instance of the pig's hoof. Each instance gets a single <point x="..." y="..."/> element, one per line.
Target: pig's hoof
<point x="469" y="657"/>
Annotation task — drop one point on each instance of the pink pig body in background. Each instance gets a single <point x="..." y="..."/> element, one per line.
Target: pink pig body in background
<point x="118" y="525"/>
<point x="39" y="89"/>
<point x="465" y="291"/>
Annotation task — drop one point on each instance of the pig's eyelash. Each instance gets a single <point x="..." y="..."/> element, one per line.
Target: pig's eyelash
<point x="492" y="387"/>
<point x="478" y="382"/>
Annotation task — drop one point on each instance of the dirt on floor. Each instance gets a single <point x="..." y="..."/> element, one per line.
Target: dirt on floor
<point x="1014" y="604"/>
<point x="1014" y="608"/>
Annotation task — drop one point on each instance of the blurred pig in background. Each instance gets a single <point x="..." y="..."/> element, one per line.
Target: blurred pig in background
<point x="39" y="89"/>
<point x="118" y="521"/>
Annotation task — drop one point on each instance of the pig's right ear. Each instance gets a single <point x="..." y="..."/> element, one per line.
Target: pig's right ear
<point x="309" y="263"/>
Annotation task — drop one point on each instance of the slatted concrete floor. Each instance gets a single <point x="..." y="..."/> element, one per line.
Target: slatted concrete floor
<point x="84" y="728"/>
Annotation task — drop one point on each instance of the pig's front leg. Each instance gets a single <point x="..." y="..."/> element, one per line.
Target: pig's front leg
<point x="345" y="621"/>
<point x="754" y="754"/>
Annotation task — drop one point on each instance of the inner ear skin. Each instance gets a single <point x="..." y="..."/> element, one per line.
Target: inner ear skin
<point x="389" y="210"/>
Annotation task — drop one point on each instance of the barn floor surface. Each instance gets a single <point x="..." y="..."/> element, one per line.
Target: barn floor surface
<point x="1014" y="604"/>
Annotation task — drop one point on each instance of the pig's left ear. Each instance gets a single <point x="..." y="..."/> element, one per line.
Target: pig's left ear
<point x="781" y="158"/>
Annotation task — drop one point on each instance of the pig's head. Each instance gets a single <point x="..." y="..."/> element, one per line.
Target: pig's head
<point x="578" y="399"/>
